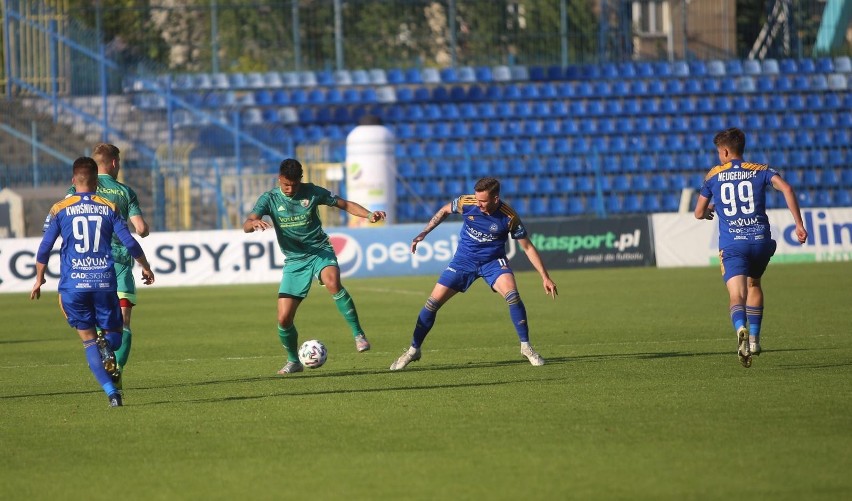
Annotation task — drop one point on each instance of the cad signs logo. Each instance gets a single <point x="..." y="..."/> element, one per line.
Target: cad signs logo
<point x="349" y="253"/>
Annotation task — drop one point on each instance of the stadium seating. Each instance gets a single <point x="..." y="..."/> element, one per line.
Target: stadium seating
<point x="645" y="126"/>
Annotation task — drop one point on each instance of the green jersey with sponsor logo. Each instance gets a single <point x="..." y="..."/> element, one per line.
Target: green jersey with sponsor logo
<point x="296" y="219"/>
<point x="126" y="205"/>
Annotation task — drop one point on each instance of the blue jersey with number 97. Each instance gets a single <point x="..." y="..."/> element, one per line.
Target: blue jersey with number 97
<point x="738" y="190"/>
<point x="86" y="222"/>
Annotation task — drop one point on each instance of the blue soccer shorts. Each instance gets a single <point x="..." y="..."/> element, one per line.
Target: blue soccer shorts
<point x="460" y="275"/>
<point x="87" y="310"/>
<point x="749" y="259"/>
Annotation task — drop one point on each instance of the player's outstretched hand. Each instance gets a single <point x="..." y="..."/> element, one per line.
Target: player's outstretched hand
<point x="147" y="277"/>
<point x="36" y="292"/>
<point x="377" y="216"/>
<point x="550" y="288"/>
<point x="419" y="238"/>
<point x="260" y="225"/>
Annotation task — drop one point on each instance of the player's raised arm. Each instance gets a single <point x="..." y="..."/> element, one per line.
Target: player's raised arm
<point x="437" y="219"/>
<point x="359" y="210"/>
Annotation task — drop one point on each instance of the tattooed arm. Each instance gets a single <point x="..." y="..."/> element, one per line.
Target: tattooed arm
<point x="439" y="217"/>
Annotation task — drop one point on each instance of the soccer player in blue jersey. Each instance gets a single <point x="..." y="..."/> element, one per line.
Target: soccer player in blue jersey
<point x="487" y="224"/>
<point x="308" y="253"/>
<point x="87" y="284"/>
<point x="745" y="242"/>
<point x="108" y="158"/>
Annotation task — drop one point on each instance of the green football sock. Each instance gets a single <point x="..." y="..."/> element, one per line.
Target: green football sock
<point x="290" y="340"/>
<point x="123" y="353"/>
<point x="346" y="307"/>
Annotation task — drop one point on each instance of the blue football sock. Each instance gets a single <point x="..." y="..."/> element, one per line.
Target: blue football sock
<point x="738" y="316"/>
<point x="755" y="316"/>
<point x="518" y="313"/>
<point x="425" y="321"/>
<point x="96" y="365"/>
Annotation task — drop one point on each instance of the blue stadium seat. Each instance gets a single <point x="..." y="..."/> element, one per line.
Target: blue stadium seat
<point x="237" y="80"/>
<point x="656" y="87"/>
<point x="843" y="64"/>
<point x="458" y="93"/>
<point x="788" y="66"/>
<point x="585" y="184"/>
<point x="439" y="93"/>
<point x="478" y="128"/>
<point x="334" y="96"/>
<point x="532" y="128"/>
<point x="817" y="82"/>
<point x="576" y="206"/>
<point x="692" y="86"/>
<point x="683" y="69"/>
<point x="519" y="72"/>
<point x="662" y="69"/>
<point x="712" y="85"/>
<point x="626" y="69"/>
<point x="501" y="74"/>
<point x="614" y="204"/>
<point x="552" y="73"/>
<point x="422" y="95"/>
<point x="411" y="76"/>
<point x="638" y="87"/>
<point x="482" y="74"/>
<point x="466" y="74"/>
<point x="733" y="67"/>
<point x="770" y="67"/>
<point x="842" y="198"/>
<point x="449" y="75"/>
<point x="609" y="70"/>
<point x="642" y="69"/>
<point x="632" y="203"/>
<point x="395" y="76"/>
<point x="621" y="184"/>
<point x="557" y="206"/>
<point x="752" y="67"/>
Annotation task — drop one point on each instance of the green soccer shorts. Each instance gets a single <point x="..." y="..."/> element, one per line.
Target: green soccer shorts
<point x="126" y="284"/>
<point x="299" y="273"/>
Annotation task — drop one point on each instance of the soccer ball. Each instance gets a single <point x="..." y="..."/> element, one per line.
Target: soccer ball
<point x="312" y="354"/>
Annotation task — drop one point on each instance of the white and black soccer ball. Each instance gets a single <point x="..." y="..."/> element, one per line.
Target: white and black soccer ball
<point x="312" y="354"/>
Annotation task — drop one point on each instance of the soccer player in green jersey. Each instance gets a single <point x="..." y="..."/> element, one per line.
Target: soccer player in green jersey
<point x="292" y="206"/>
<point x="108" y="158"/>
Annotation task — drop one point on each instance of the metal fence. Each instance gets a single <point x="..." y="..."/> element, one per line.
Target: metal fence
<point x="294" y="35"/>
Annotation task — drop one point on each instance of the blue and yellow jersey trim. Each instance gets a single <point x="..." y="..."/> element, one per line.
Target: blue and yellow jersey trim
<point x="73" y="199"/>
<point x="510" y="213"/>
<point x="745" y="165"/>
<point x="504" y="209"/>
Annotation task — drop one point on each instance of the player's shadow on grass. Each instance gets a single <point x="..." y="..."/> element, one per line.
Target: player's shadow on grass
<point x="23" y="341"/>
<point x="342" y="391"/>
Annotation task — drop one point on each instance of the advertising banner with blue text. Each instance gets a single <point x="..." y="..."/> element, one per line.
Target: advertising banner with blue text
<point x="682" y="240"/>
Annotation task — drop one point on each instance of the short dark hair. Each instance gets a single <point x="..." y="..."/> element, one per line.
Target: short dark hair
<point x="290" y="169"/>
<point x="733" y="139"/>
<point x="489" y="184"/>
<point x="85" y="170"/>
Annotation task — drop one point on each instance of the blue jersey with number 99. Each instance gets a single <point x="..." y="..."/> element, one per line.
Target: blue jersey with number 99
<point x="738" y="190"/>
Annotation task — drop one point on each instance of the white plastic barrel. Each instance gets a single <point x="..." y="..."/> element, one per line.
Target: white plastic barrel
<point x="371" y="170"/>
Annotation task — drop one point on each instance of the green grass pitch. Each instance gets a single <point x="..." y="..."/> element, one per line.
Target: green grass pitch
<point x="642" y="396"/>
